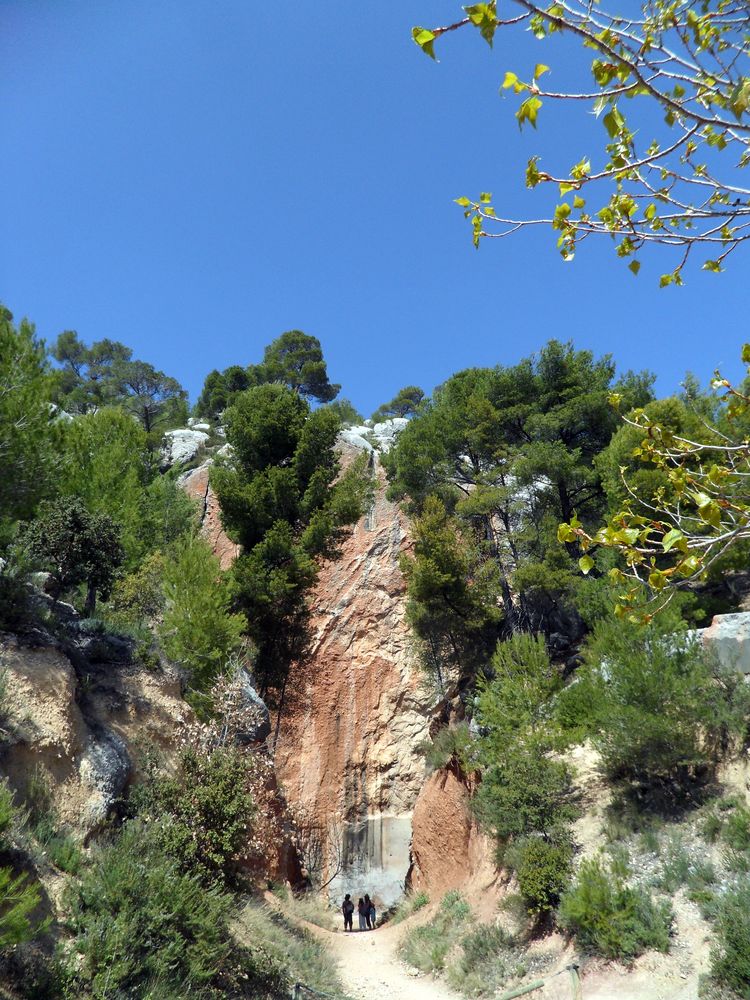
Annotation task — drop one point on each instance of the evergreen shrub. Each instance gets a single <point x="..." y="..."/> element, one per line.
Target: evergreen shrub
<point x="611" y="918"/>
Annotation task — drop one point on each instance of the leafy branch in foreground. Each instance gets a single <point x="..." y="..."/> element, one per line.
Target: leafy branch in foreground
<point x="698" y="510"/>
<point x="662" y="184"/>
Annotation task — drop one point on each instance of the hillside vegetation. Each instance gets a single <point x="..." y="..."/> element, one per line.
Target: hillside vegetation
<point x="101" y="549"/>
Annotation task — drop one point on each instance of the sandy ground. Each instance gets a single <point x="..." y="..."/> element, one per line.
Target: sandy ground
<point x="369" y="967"/>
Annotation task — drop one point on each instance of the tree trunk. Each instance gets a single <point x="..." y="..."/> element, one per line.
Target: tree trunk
<point x="90" y="605"/>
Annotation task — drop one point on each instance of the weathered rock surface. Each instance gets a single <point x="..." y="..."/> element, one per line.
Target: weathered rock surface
<point x="728" y="637"/>
<point x="104" y="768"/>
<point x="383" y="434"/>
<point x="449" y="851"/>
<point x="196" y="484"/>
<point x="77" y="740"/>
<point x="182" y="445"/>
<point x="259" y="728"/>
<point x="347" y="748"/>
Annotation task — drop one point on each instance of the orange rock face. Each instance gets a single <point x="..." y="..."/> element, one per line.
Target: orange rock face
<point x="356" y="711"/>
<point x="196" y="485"/>
<point x="449" y="851"/>
<point x="347" y="749"/>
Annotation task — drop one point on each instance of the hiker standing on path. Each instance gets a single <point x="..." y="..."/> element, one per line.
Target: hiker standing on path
<point x="362" y="912"/>
<point x="367" y="905"/>
<point x="373" y="914"/>
<point x="347" y="908"/>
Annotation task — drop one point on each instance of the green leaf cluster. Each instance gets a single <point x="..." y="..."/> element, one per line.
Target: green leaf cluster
<point x="106" y="374"/>
<point x="28" y="427"/>
<point x="405" y="403"/>
<point x="658" y="710"/>
<point x="198" y="630"/>
<point x="203" y="812"/>
<point x="507" y="450"/>
<point x="76" y="547"/>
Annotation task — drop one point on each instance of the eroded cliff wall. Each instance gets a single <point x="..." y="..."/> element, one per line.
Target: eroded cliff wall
<point x="347" y="750"/>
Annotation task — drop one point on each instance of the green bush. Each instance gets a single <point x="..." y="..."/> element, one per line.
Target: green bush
<point x="543" y="869"/>
<point x="198" y="630"/>
<point x="426" y="947"/>
<point x="143" y="927"/>
<point x="660" y="713"/>
<point x="204" y="812"/>
<point x="137" y="599"/>
<point x="451" y="743"/>
<point x="19" y="897"/>
<point x="612" y="918"/>
<point x="489" y="958"/>
<point x="290" y="953"/>
<point x="676" y="865"/>
<point x="736" y="831"/>
<point x="524" y="792"/>
<point x="482" y="944"/>
<point x="730" y="956"/>
<point x="57" y="846"/>
<point x="410" y="903"/>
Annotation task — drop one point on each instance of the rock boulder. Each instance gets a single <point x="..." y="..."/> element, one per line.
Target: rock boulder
<point x="182" y="446"/>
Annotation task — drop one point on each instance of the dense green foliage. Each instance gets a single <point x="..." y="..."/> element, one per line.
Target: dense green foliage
<point x="203" y="811"/>
<point x="346" y="411"/>
<point x="451" y="594"/>
<point x="405" y="403"/>
<point x="19" y="896"/>
<point x="27" y="422"/>
<point x="612" y="918"/>
<point x="524" y="789"/>
<point x="144" y="927"/>
<point x="198" y="630"/>
<point x="106" y="462"/>
<point x="730" y="956"/>
<point x="75" y="547"/>
<point x="659" y="710"/>
<point x="509" y="451"/>
<point x="294" y="359"/>
<point x="105" y="374"/>
<point x="283" y="500"/>
<point x="543" y="869"/>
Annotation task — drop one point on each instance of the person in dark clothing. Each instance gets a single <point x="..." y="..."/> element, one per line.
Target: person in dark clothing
<point x="347" y="908"/>
<point x="366" y="910"/>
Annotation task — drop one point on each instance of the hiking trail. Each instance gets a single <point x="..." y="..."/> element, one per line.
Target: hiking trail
<point x="369" y="966"/>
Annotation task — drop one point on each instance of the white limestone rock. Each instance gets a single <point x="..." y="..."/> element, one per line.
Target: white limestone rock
<point x="382" y="434"/>
<point x="181" y="446"/>
<point x="387" y="431"/>
<point x="352" y="436"/>
<point x="728" y="637"/>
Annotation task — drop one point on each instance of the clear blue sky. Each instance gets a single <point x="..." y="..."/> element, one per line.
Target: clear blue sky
<point x="194" y="177"/>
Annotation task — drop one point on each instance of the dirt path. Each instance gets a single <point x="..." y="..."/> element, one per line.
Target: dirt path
<point x="369" y="967"/>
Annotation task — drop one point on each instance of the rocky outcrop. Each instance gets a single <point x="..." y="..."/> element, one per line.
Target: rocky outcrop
<point x="72" y="723"/>
<point x="728" y="637"/>
<point x="347" y="750"/>
<point x="196" y="484"/>
<point x="183" y="445"/>
<point x="368" y="437"/>
<point x="256" y="726"/>
<point x="449" y="851"/>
